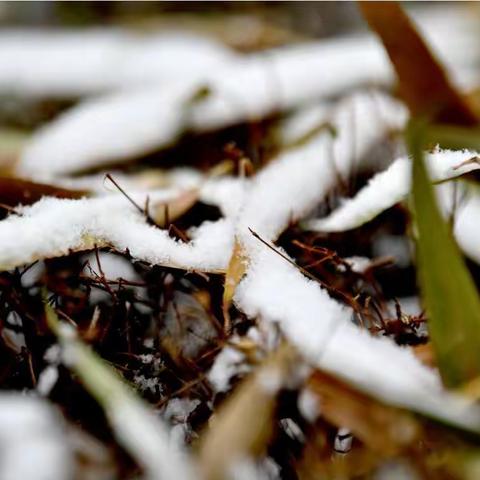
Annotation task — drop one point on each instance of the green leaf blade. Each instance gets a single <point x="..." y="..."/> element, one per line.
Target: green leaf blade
<point x="449" y="293"/>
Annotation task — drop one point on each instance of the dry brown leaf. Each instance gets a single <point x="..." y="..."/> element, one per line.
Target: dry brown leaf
<point x="15" y="191"/>
<point x="425" y="354"/>
<point x="235" y="271"/>
<point x="423" y="83"/>
<point x="165" y="212"/>
<point x="384" y="429"/>
<point x="244" y="424"/>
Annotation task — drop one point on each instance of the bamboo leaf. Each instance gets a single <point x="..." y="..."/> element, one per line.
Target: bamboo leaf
<point x="450" y="296"/>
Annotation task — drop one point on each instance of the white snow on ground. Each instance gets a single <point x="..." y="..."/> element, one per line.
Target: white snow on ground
<point x="320" y="328"/>
<point x="32" y="443"/>
<point x="391" y="186"/>
<point x="54" y="227"/>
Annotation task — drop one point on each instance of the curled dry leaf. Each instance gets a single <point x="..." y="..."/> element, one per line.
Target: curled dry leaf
<point x="235" y="272"/>
<point x="15" y="191"/>
<point x="384" y="429"/>
<point x="165" y="212"/>
<point x="243" y="425"/>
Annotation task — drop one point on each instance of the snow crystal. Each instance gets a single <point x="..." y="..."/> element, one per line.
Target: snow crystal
<point x="148" y="384"/>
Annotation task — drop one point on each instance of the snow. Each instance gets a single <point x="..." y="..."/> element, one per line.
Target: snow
<point x="298" y="179"/>
<point x="47" y="380"/>
<point x="320" y="328"/>
<point x="130" y="123"/>
<point x="466" y="217"/>
<point x="64" y="63"/>
<point x="308" y="405"/>
<point x="54" y="227"/>
<point x="32" y="443"/>
<point x="391" y="186"/>
<point x="228" y="363"/>
<point x="293" y="183"/>
<point x="343" y="441"/>
<point x="72" y="63"/>
<point x="115" y="128"/>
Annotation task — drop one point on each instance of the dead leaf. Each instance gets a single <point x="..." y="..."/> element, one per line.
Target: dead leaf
<point x="244" y="424"/>
<point x="423" y="83"/>
<point x="384" y="429"/>
<point x="15" y="191"/>
<point x="165" y="212"/>
<point x="235" y="271"/>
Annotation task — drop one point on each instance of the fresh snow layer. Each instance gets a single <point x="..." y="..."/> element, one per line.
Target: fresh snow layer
<point x="391" y="186"/>
<point x="54" y="227"/>
<point x="274" y="291"/>
<point x="73" y="63"/>
<point x="32" y="443"/>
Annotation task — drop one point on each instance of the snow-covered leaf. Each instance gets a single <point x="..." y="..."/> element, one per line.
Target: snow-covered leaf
<point x="300" y="178"/>
<point x="321" y="330"/>
<point x="134" y="122"/>
<point x="54" y="227"/>
<point x="71" y="63"/>
<point x="391" y="186"/>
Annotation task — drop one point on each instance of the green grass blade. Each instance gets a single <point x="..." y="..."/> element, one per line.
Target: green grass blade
<point x="453" y="136"/>
<point x="449" y="294"/>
